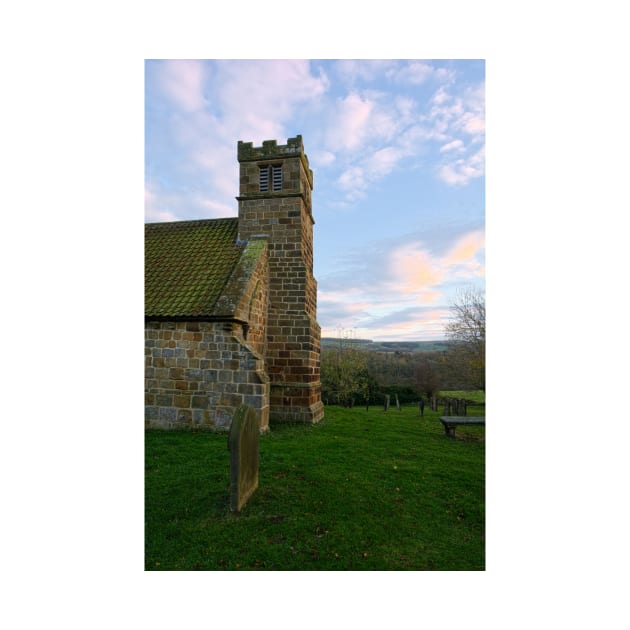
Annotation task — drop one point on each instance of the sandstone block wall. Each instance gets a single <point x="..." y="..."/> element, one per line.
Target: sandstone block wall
<point x="198" y="373"/>
<point x="285" y="217"/>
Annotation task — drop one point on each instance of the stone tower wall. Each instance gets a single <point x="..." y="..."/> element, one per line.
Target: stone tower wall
<point x="284" y="217"/>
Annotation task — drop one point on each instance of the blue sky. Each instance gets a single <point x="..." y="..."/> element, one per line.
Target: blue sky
<point x="397" y="148"/>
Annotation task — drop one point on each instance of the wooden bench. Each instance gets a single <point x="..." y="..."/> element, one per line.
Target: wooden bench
<point x="450" y="422"/>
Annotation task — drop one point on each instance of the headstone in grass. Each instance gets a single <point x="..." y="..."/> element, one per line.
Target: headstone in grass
<point x="243" y="441"/>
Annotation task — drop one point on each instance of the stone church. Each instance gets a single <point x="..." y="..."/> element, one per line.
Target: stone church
<point x="230" y="304"/>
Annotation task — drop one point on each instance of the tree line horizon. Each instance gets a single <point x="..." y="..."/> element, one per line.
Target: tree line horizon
<point x="361" y="371"/>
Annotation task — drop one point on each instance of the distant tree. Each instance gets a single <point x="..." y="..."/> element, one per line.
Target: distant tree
<point x="426" y="375"/>
<point x="344" y="374"/>
<point x="467" y="331"/>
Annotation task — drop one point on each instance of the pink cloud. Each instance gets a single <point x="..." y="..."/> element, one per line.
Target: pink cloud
<point x="406" y="301"/>
<point x="414" y="270"/>
<point x="428" y="325"/>
<point x="465" y="249"/>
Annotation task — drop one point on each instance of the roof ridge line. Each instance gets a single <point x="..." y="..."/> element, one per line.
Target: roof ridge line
<point x="190" y="221"/>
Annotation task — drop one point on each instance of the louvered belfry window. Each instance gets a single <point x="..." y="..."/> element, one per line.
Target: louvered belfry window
<point x="270" y="175"/>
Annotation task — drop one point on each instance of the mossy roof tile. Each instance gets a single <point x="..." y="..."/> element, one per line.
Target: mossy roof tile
<point x="187" y="265"/>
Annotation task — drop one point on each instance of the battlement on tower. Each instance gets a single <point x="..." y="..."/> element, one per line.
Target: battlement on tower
<point x="271" y="150"/>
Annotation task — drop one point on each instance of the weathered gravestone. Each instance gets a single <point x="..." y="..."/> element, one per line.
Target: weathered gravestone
<point x="243" y="441"/>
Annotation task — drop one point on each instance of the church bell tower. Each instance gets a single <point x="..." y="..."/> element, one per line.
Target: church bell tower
<point x="275" y="203"/>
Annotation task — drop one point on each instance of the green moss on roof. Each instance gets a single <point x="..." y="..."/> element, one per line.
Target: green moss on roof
<point x="187" y="265"/>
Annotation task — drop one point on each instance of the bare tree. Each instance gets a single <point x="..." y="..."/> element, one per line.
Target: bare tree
<point x="467" y="329"/>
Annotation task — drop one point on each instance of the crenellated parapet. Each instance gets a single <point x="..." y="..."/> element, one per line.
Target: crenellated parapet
<point x="271" y="150"/>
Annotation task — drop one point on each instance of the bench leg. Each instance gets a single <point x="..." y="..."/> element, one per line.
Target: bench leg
<point x="450" y="431"/>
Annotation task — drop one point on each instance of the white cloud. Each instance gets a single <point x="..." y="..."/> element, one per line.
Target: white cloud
<point x="366" y="133"/>
<point x="405" y="107"/>
<point x="444" y="116"/>
<point x="460" y="172"/>
<point x="217" y="209"/>
<point x="189" y="202"/>
<point x="182" y="82"/>
<point x="322" y="158"/>
<point x="216" y="161"/>
<point x="473" y="124"/>
<point x="356" y="179"/>
<point x="353" y="182"/>
<point x="348" y="126"/>
<point x="383" y="161"/>
<point x="359" y="121"/>
<point x="441" y="96"/>
<point x="255" y="98"/>
<point x="156" y="206"/>
<point x="460" y="121"/>
<point x="445" y="74"/>
<point x="371" y="132"/>
<point x="455" y="145"/>
<point x="353" y="70"/>
<point x="413" y="72"/>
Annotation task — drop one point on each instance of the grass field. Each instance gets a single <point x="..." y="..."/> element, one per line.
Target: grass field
<point x="362" y="490"/>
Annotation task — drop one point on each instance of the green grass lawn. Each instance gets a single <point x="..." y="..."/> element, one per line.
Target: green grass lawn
<point x="358" y="491"/>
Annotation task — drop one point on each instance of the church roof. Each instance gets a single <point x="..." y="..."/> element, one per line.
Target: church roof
<point x="187" y="266"/>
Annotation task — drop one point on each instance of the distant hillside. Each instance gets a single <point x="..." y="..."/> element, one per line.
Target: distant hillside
<point x="388" y="346"/>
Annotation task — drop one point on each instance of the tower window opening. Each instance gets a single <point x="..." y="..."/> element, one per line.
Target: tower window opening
<point x="270" y="175"/>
